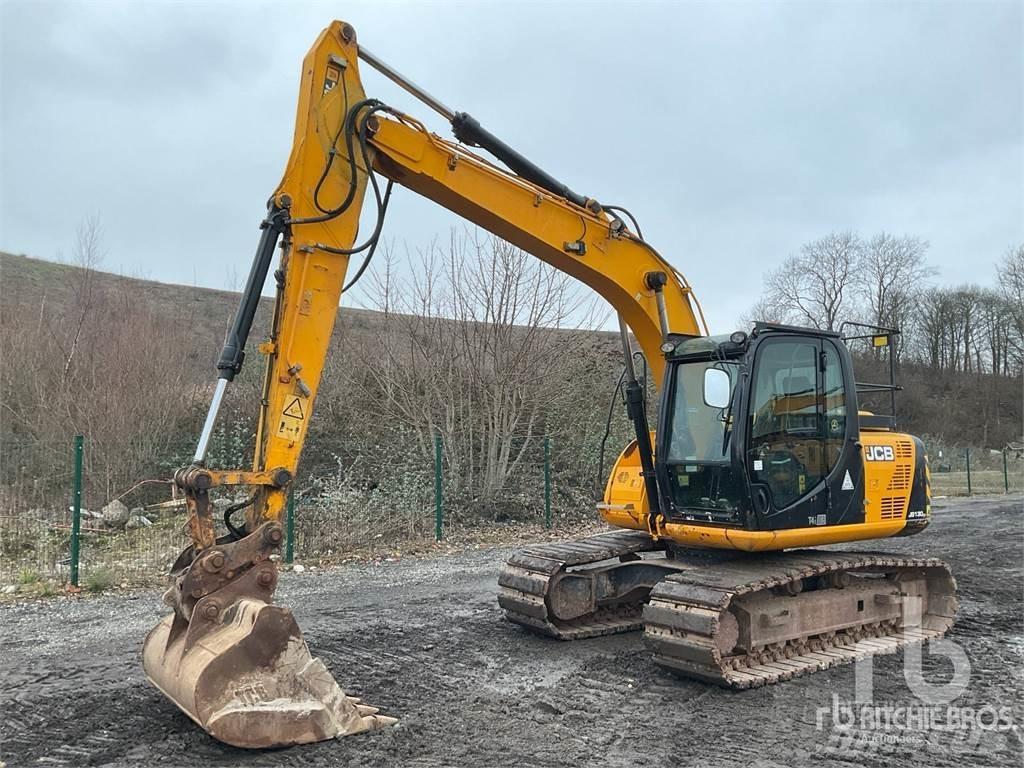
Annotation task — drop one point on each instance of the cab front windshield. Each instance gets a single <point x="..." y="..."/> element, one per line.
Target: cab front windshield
<point x="699" y="432"/>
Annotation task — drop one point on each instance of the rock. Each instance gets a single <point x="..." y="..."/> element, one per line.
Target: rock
<point x="298" y="568"/>
<point x="138" y="521"/>
<point x="10" y="589"/>
<point x="116" y="514"/>
<point x="90" y="515"/>
<point x="153" y="517"/>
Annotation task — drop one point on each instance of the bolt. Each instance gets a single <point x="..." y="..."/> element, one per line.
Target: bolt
<point x="266" y="578"/>
<point x="210" y="611"/>
<point x="214" y="562"/>
<point x="348" y="34"/>
<point x="372" y="125"/>
<point x="286" y="201"/>
<point x="274" y="534"/>
<point x="197" y="592"/>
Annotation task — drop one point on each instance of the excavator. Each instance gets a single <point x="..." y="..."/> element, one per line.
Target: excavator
<point x="760" y="450"/>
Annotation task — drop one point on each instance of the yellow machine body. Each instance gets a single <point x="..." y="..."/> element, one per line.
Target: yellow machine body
<point x="886" y="502"/>
<point x="235" y="663"/>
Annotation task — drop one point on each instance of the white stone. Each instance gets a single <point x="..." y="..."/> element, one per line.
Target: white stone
<point x="116" y="514"/>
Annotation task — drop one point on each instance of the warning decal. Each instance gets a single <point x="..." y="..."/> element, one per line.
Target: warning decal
<point x="847" y="482"/>
<point x="331" y="79"/>
<point x="293" y="415"/>
<point x="294" y="409"/>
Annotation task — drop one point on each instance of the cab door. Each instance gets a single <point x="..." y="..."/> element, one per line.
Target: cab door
<point x="802" y="450"/>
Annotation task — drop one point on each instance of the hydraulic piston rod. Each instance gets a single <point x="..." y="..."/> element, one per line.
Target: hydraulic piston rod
<point x="403" y="82"/>
<point x="469" y="131"/>
<point x="211" y="419"/>
<point x="638" y="415"/>
<point x="233" y="352"/>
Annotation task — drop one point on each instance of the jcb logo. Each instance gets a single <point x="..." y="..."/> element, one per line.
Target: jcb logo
<point x="879" y="453"/>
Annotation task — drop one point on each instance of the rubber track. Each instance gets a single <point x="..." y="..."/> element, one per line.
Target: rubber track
<point x="526" y="578"/>
<point x="682" y="616"/>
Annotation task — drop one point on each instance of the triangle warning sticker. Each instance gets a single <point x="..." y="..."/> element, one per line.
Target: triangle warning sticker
<point x="847" y="482"/>
<point x="294" y="409"/>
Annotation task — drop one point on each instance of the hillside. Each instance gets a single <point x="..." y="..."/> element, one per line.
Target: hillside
<point x="128" y="363"/>
<point x="26" y="281"/>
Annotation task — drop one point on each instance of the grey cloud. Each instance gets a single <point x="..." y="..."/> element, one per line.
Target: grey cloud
<point x="734" y="131"/>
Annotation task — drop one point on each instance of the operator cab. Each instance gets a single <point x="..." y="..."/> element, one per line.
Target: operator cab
<point x="760" y="431"/>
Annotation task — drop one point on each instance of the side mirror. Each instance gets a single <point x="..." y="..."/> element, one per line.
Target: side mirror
<point x="716" y="388"/>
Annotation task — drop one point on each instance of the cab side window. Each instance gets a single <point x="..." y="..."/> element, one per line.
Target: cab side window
<point x="834" y="404"/>
<point x="786" y="447"/>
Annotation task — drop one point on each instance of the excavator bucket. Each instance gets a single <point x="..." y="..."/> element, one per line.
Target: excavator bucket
<point x="238" y="665"/>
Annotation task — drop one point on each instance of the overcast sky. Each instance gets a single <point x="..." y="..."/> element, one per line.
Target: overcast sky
<point x="734" y="132"/>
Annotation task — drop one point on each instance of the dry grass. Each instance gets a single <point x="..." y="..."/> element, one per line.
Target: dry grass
<point x="986" y="481"/>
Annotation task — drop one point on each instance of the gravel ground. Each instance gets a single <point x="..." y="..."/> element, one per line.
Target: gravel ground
<point x="423" y="639"/>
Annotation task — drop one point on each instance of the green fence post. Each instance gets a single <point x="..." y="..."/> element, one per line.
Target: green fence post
<point x="438" y="507"/>
<point x="289" y="542"/>
<point x="76" y="511"/>
<point x="547" y="481"/>
<point x="1006" y="474"/>
<point x="967" y="453"/>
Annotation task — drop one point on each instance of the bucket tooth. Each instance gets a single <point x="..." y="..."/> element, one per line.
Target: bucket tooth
<point x="239" y="667"/>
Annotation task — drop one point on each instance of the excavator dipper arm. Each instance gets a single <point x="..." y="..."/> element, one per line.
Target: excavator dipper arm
<point x="233" y="661"/>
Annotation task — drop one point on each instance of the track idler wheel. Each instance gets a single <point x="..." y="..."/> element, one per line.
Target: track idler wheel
<point x="238" y="665"/>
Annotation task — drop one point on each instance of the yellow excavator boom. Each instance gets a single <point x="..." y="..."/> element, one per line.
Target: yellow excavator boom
<point x="759" y="447"/>
<point x="230" y="659"/>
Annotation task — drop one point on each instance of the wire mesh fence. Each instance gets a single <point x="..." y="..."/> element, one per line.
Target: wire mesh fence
<point x="36" y="487"/>
<point x="332" y="520"/>
<point x="47" y="539"/>
<point x="522" y="484"/>
<point x="963" y="471"/>
<point x="448" y="495"/>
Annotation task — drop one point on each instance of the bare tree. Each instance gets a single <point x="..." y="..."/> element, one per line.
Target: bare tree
<point x="934" y="315"/>
<point x="997" y="330"/>
<point x="816" y="287"/>
<point x="477" y="345"/>
<point x="764" y="310"/>
<point x="88" y="255"/>
<point x="1011" y="285"/>
<point x="962" y="329"/>
<point x="891" y="273"/>
<point x="94" y="359"/>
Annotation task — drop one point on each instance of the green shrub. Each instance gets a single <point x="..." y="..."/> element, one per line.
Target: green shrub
<point x="99" y="580"/>
<point x="46" y="589"/>
<point x="28" y="576"/>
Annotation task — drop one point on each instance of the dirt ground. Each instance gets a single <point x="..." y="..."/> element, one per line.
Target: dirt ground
<point x="424" y="640"/>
